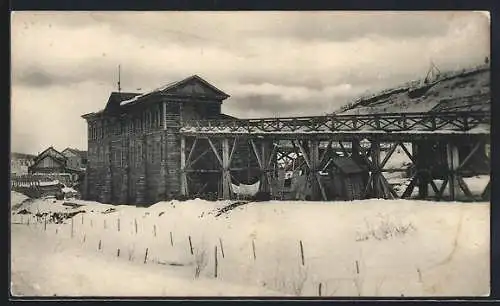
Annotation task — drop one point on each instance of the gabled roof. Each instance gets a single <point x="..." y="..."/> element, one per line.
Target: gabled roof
<point x="171" y="88"/>
<point x="51" y="152"/>
<point x="81" y="153"/>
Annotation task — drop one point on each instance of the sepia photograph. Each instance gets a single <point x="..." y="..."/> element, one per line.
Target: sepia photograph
<point x="250" y="154"/>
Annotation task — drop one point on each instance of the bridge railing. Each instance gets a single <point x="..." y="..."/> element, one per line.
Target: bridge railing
<point x="393" y="122"/>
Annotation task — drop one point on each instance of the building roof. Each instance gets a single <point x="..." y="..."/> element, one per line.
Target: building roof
<point x="83" y="154"/>
<point x="171" y="87"/>
<point x="346" y="165"/>
<point x="15" y="155"/>
<point x="117" y="100"/>
<point x="464" y="90"/>
<point x="52" y="153"/>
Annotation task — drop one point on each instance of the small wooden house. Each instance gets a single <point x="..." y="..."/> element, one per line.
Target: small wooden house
<point x="346" y="180"/>
<point x="49" y="161"/>
<point x="75" y="159"/>
<point x="53" y="165"/>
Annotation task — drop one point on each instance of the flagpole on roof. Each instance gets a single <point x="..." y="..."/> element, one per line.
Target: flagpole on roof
<point x="119" y="78"/>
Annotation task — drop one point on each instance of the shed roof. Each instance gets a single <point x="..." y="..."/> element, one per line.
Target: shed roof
<point x="346" y="165"/>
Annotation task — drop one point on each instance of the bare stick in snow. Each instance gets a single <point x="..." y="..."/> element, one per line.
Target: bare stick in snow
<point x="221" y="247"/>
<point x="84" y="237"/>
<point x="118" y="224"/>
<point x="302" y="252"/>
<point x="135" y="222"/>
<point x="146" y="256"/>
<point x="28" y="220"/>
<point x="253" y="249"/>
<point x="82" y="218"/>
<point x="100" y="245"/>
<point x="357" y="267"/>
<point x="56" y="230"/>
<point x="215" y="256"/>
<point x="191" y="246"/>
<point x="154" y="230"/>
<point x="72" y="228"/>
<point x="118" y="253"/>
<point x="171" y="239"/>
<point x="91" y="223"/>
<point x="319" y="289"/>
<point x="44" y="223"/>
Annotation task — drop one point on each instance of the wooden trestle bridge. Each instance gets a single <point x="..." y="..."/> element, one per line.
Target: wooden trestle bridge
<point x="445" y="147"/>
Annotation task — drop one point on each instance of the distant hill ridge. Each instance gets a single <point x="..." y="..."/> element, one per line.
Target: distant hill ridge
<point x="459" y="90"/>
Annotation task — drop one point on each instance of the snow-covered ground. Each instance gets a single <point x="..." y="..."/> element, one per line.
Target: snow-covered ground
<point x="359" y="248"/>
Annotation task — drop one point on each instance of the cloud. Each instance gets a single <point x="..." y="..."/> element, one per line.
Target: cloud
<point x="64" y="64"/>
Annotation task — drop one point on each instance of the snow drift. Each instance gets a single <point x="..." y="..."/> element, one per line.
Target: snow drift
<point x="359" y="248"/>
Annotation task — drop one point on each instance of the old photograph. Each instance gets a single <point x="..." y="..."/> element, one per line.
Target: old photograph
<point x="250" y="154"/>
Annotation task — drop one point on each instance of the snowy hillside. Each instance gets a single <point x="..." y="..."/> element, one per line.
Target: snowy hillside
<point x="466" y="90"/>
<point x="365" y="248"/>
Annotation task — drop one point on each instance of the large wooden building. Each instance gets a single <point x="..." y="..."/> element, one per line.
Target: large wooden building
<point x="133" y="143"/>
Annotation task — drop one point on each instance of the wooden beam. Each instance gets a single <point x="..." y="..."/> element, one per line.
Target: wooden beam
<point x="256" y="152"/>
<point x="392" y="193"/>
<point x="324" y="155"/>
<point x="184" y="184"/>
<point x="271" y="156"/>
<point x="470" y="155"/>
<point x="453" y="162"/>
<point x="304" y="155"/>
<point x="485" y="195"/>
<point x="367" y="187"/>
<point x="317" y="186"/>
<point x="376" y="169"/>
<point x="164" y="108"/>
<point x="439" y="196"/>
<point x="232" y="150"/>
<point x="409" y="190"/>
<point x="191" y="150"/>
<point x="199" y="157"/>
<point x="267" y="159"/>
<point x="410" y="156"/>
<point x="464" y="187"/>
<point x="226" y="174"/>
<point x="214" y="149"/>
<point x="388" y="155"/>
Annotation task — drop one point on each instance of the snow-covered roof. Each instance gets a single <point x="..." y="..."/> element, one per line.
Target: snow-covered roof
<point x="172" y="85"/>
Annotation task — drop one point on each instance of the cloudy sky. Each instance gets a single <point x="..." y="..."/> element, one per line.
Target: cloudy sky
<point x="64" y="64"/>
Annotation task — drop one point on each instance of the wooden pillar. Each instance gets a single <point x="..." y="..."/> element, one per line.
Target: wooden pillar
<point x="453" y="162"/>
<point x="184" y="187"/>
<point x="264" y="181"/>
<point x="314" y="175"/>
<point x="423" y="156"/>
<point x="377" y="187"/>
<point x="164" y="116"/>
<point x="226" y="175"/>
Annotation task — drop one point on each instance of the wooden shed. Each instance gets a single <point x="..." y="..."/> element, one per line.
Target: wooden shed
<point x="346" y="180"/>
